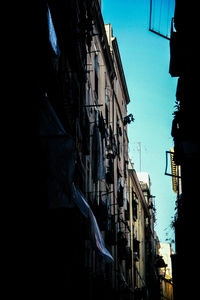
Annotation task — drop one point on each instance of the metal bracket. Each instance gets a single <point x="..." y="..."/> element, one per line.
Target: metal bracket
<point x="168" y="174"/>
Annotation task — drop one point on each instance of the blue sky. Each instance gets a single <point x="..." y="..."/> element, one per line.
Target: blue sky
<point x="145" y="57"/>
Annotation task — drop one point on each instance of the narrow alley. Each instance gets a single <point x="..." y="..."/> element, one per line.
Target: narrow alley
<point x="92" y="214"/>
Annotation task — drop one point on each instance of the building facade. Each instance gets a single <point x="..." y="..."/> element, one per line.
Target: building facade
<point x="145" y="243"/>
<point x="152" y="241"/>
<point x="93" y="219"/>
<point x="165" y="251"/>
<point x="84" y="153"/>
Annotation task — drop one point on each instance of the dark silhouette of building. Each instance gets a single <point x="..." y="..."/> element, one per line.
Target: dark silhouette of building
<point x="184" y="60"/>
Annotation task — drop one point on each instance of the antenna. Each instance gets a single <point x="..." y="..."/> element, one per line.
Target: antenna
<point x="140" y="156"/>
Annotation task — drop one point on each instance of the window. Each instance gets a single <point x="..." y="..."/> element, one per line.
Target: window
<point x="106" y="114"/>
<point x="106" y="103"/>
<point x="134" y="205"/>
<point x="89" y="98"/>
<point x="116" y="87"/>
<point x="96" y="73"/>
<point x="120" y="196"/>
<point x="119" y="137"/>
<point x="127" y="212"/>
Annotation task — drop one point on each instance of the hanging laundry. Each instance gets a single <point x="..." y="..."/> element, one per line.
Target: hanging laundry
<point x="95" y="232"/>
<point x="52" y="34"/>
<point x="58" y="158"/>
<point x="98" y="240"/>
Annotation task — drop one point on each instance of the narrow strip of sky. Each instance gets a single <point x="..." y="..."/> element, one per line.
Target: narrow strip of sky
<point x="145" y="57"/>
